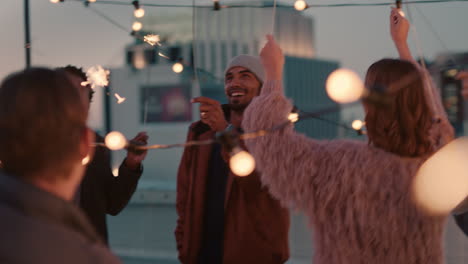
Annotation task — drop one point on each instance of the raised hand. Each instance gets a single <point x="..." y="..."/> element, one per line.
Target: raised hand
<point x="272" y="59"/>
<point x="399" y="28"/>
<point x="211" y="113"/>
<point x="134" y="158"/>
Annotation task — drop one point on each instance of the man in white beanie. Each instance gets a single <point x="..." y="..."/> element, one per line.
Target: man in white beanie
<point x="223" y="218"/>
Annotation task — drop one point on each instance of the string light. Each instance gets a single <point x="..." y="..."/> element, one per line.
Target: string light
<point x="344" y="86"/>
<point x="357" y="124"/>
<point x="269" y="5"/>
<point x="137" y="26"/>
<point x="139" y="12"/>
<point x="241" y="162"/>
<point x="152" y="39"/>
<point x="115" y="141"/>
<point x="115" y="172"/>
<point x="85" y="160"/>
<point x="441" y="183"/>
<point x="97" y="76"/>
<point x="119" y="98"/>
<point x="56" y="1"/>
<point x="300" y="5"/>
<point x="293" y="117"/>
<point x="178" y="67"/>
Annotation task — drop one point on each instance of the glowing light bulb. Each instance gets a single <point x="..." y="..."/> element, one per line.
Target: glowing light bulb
<point x="241" y="163"/>
<point x="451" y="73"/>
<point x="300" y="5"/>
<point x="293" y="117"/>
<point x="139" y="13"/>
<point x="85" y="160"/>
<point x="115" y="172"/>
<point x="54" y="1"/>
<point x="177" y="67"/>
<point x="115" y="140"/>
<point x="344" y="86"/>
<point x="137" y="26"/>
<point x="92" y="1"/>
<point x="357" y="124"/>
<point x="442" y="181"/>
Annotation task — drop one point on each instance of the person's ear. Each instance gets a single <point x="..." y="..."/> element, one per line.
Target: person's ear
<point x="87" y="141"/>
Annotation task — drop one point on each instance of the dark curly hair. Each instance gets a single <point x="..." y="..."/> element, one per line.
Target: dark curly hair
<point x="71" y="69"/>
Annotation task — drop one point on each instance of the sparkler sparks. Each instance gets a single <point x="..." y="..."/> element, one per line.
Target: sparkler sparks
<point x="152" y="39"/>
<point x="97" y="76"/>
<point x="119" y="98"/>
<point x="164" y="56"/>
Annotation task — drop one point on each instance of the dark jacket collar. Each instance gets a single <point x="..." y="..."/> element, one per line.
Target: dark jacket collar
<point x="37" y="203"/>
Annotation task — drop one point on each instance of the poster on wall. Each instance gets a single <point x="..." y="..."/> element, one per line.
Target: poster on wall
<point x="165" y="103"/>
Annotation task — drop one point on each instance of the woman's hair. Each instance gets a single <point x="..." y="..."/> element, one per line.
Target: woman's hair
<point x="401" y="126"/>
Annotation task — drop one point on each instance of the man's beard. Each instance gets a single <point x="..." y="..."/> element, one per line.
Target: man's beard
<point x="238" y="107"/>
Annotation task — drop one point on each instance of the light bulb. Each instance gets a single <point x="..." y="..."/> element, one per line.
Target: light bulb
<point x="344" y="86"/>
<point x="241" y="163"/>
<point x="139" y="13"/>
<point x="137" y="26"/>
<point x="300" y="5"/>
<point x="177" y="67"/>
<point x="293" y="117"/>
<point x="85" y="160"/>
<point x="54" y="1"/>
<point x="115" y="140"/>
<point x="115" y="172"/>
<point x="441" y="183"/>
<point x="91" y="1"/>
<point x="357" y="124"/>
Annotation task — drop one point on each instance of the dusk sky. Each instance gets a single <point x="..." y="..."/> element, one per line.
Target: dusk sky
<point x="69" y="33"/>
<point x="356" y="36"/>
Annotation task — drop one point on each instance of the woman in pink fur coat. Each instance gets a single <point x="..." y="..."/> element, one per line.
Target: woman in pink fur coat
<point x="357" y="194"/>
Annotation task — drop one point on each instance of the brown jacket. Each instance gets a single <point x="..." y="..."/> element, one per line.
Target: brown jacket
<point x="256" y="226"/>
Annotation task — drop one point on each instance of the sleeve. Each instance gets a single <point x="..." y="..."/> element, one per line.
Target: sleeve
<point x="183" y="181"/>
<point x="442" y="131"/>
<point x="291" y="165"/>
<point x="120" y="188"/>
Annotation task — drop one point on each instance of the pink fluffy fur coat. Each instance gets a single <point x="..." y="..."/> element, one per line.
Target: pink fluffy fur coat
<point x="357" y="197"/>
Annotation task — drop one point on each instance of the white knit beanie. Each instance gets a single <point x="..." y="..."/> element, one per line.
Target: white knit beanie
<point x="252" y="63"/>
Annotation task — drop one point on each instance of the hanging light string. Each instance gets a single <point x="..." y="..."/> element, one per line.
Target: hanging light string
<point x="242" y="136"/>
<point x="269" y="5"/>
<point x="437" y="35"/>
<point x="273" y="22"/>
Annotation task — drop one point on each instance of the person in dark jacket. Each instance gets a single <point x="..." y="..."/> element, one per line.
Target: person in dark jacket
<point x="43" y="139"/>
<point x="223" y="218"/>
<point x="100" y="192"/>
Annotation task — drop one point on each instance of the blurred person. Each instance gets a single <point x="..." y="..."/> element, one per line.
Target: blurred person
<point x="461" y="212"/>
<point x="223" y="218"/>
<point x="358" y="195"/>
<point x="43" y="139"/>
<point x="101" y="192"/>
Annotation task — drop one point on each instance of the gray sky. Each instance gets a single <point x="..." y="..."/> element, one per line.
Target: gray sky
<point x="356" y="36"/>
